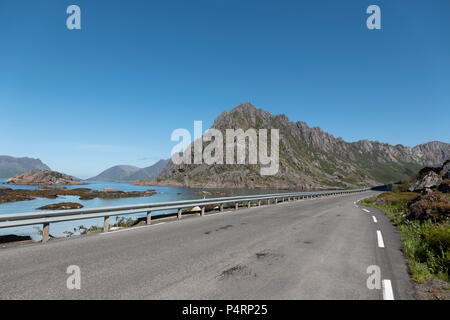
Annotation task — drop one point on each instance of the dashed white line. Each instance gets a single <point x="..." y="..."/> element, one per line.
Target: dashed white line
<point x="366" y="210"/>
<point x="388" y="294"/>
<point x="380" y="239"/>
<point x="374" y="219"/>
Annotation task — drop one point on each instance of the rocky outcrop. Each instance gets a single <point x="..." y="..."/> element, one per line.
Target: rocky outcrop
<point x="309" y="158"/>
<point x="429" y="181"/>
<point x="62" y="206"/>
<point x="43" y="177"/>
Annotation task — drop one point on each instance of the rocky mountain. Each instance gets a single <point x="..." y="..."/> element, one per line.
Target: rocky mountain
<point x="11" y="166"/>
<point x="130" y="173"/>
<point x="43" y="177"/>
<point x="309" y="158"/>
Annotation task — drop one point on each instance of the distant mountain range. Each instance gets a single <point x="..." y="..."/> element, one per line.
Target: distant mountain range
<point x="130" y="173"/>
<point x="11" y="166"/>
<point x="309" y="158"/>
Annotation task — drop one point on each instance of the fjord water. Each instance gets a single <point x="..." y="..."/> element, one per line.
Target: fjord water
<point x="57" y="229"/>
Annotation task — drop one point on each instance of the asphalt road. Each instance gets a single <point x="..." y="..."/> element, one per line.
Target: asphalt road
<point x="307" y="249"/>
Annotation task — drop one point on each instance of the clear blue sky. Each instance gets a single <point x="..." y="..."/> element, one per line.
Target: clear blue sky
<point x="113" y="92"/>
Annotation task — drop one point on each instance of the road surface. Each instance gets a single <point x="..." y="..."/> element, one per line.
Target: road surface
<point x="307" y="249"/>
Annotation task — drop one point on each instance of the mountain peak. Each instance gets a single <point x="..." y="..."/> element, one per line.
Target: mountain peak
<point x="310" y="158"/>
<point x="246" y="107"/>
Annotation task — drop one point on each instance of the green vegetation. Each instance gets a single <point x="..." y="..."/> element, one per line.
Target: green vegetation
<point x="426" y="242"/>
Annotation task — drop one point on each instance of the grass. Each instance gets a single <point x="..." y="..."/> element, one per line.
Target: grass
<point x="426" y="244"/>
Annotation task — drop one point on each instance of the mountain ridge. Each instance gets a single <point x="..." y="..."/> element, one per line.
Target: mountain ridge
<point x="310" y="158"/>
<point x="11" y="166"/>
<point x="130" y="173"/>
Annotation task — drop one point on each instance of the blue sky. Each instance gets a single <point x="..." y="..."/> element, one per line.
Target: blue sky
<point x="113" y="92"/>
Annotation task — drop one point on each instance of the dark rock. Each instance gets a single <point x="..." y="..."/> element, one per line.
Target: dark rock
<point x="62" y="206"/>
<point x="446" y="170"/>
<point x="445" y="186"/>
<point x="13" y="238"/>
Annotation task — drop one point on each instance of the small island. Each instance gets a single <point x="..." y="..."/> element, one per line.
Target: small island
<point x="62" y="206"/>
<point x="43" y="177"/>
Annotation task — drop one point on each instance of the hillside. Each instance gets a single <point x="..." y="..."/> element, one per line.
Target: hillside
<point x="149" y="172"/>
<point x="309" y="158"/>
<point x="116" y="173"/>
<point x="129" y="173"/>
<point x="11" y="166"/>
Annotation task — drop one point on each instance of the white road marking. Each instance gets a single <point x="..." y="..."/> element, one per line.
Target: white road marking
<point x="380" y="239"/>
<point x="366" y="210"/>
<point x="374" y="219"/>
<point x="388" y="294"/>
<point x="133" y="228"/>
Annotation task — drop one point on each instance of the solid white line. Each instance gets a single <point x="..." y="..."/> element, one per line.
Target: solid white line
<point x="374" y="219"/>
<point x="388" y="294"/>
<point x="366" y="210"/>
<point x="380" y="239"/>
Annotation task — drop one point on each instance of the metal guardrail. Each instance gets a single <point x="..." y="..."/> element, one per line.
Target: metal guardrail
<point x="47" y="217"/>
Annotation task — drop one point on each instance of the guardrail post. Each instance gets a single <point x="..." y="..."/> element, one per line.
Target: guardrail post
<point x="203" y="211"/>
<point x="106" y="224"/>
<point x="149" y="217"/>
<point x="46" y="232"/>
<point x="248" y="204"/>
<point x="236" y="205"/>
<point x="276" y="200"/>
<point x="221" y="207"/>
<point x="179" y="213"/>
<point x="259" y="203"/>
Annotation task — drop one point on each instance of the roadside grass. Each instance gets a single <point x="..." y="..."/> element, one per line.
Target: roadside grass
<point x="426" y="244"/>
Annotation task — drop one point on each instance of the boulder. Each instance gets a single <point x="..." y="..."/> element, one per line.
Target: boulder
<point x="429" y="181"/>
<point x="195" y="209"/>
